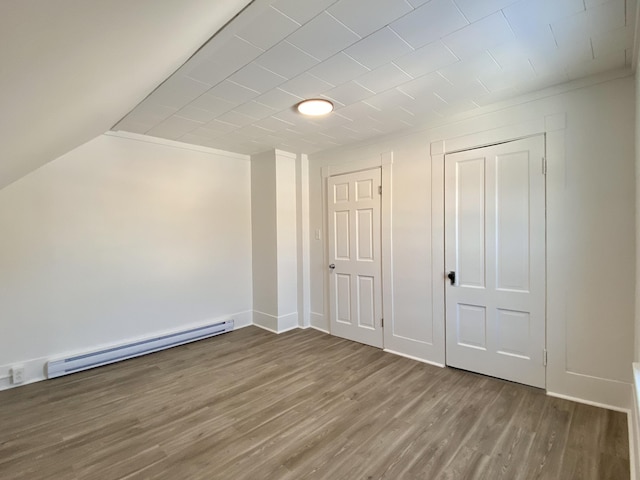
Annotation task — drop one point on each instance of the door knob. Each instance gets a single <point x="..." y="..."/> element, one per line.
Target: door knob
<point x="332" y="266"/>
<point x="452" y="276"/>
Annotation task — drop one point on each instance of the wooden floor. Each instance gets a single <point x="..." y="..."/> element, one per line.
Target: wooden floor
<point x="301" y="405"/>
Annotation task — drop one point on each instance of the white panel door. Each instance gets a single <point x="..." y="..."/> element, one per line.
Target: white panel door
<point x="354" y="256"/>
<point x="495" y="244"/>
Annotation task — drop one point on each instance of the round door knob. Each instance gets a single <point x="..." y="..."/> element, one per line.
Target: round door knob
<point x="332" y="266"/>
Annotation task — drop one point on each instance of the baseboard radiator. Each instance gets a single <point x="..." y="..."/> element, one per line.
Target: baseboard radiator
<point x="77" y="363"/>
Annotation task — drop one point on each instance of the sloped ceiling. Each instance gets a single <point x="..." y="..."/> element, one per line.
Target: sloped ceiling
<point x="70" y="69"/>
<point x="387" y="65"/>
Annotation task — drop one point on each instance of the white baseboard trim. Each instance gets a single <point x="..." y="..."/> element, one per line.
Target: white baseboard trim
<point x="634" y="461"/>
<point x="319" y="321"/>
<point x="587" y="402"/>
<point x="320" y="329"/>
<point x="265" y="321"/>
<point x="288" y="322"/>
<point x="417" y="359"/>
<point x="273" y="324"/>
<point x="633" y="421"/>
<point x="271" y="330"/>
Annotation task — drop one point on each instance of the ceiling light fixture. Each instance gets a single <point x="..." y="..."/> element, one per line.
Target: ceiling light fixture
<point x="315" y="107"/>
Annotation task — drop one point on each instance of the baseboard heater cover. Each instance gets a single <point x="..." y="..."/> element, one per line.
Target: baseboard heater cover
<point x="77" y="363"/>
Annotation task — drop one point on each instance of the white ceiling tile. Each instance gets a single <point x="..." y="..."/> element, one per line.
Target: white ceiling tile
<point x="614" y="40"/>
<point x="212" y="104"/>
<point x="215" y="128"/>
<point x="223" y="61"/>
<point x="426" y="59"/>
<point x="383" y="78"/>
<point x="338" y="69"/>
<point x="302" y="11"/>
<point x="417" y="3"/>
<point x="233" y="92"/>
<point x="394" y="97"/>
<point x="149" y="113"/>
<point x="336" y="103"/>
<point x="610" y="61"/>
<point x="481" y="35"/>
<point x="595" y="3"/>
<point x="532" y="14"/>
<point x="348" y="93"/>
<point x="541" y="81"/>
<point x="255" y="110"/>
<point x="268" y="28"/>
<point x="470" y="68"/>
<point x="469" y="90"/>
<point x="423" y="86"/>
<point x="455" y="108"/>
<point x="286" y="59"/>
<point x="273" y="124"/>
<point x="393" y="113"/>
<point x="177" y="91"/>
<point x="476" y="9"/>
<point x="497" y="96"/>
<point x="379" y="13"/>
<point x="323" y="37"/>
<point x="356" y="110"/>
<point x="333" y="120"/>
<point x="306" y="86"/>
<point x="508" y="77"/>
<point x="519" y="51"/>
<point x="599" y="19"/>
<point x="236" y="118"/>
<point x="378" y="48"/>
<point x="549" y="62"/>
<point x="429" y="22"/>
<point x="257" y="78"/>
<point x="173" y="128"/>
<point x="278" y="99"/>
<point x="298" y="121"/>
<point x="196" y="114"/>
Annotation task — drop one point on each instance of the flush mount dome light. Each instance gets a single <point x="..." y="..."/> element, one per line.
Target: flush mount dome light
<point x="315" y="107"/>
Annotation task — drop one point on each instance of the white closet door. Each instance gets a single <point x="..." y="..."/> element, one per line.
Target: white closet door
<point x="495" y="245"/>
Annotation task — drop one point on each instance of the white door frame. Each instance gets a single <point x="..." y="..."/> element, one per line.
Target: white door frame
<point x="553" y="127"/>
<point x="384" y="162"/>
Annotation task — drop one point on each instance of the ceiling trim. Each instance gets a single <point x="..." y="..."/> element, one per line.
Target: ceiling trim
<point x="174" y="144"/>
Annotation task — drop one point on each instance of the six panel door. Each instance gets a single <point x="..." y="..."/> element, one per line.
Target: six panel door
<point x="354" y="256"/>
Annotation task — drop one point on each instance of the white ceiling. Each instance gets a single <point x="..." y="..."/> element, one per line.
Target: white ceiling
<point x="388" y="65"/>
<point x="70" y="69"/>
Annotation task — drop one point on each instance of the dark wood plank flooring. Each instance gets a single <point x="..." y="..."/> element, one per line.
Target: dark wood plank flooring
<point x="301" y="405"/>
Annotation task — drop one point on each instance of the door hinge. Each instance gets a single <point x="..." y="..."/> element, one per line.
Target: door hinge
<point x="544" y="357"/>
<point x="544" y="166"/>
<point x="379" y="189"/>
<point x="382" y="322"/>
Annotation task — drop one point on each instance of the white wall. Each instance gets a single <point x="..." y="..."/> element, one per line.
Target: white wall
<point x="121" y="239"/>
<point x="264" y="237"/>
<point x="590" y="188"/>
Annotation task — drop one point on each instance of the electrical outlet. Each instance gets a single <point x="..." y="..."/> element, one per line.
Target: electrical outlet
<point x="17" y="375"/>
